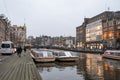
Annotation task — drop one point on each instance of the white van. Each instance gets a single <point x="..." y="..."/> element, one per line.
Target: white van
<point x="7" y="47"/>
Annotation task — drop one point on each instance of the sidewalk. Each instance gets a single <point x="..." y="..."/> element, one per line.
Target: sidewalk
<point x="19" y="68"/>
<point x="2" y="58"/>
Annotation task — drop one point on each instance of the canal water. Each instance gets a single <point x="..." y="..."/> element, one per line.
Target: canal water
<point x="88" y="67"/>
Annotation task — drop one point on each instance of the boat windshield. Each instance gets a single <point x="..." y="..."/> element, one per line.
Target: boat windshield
<point x="68" y="54"/>
<point x="62" y="54"/>
<point x="40" y="54"/>
<point x="112" y="53"/>
<point x="50" y="54"/>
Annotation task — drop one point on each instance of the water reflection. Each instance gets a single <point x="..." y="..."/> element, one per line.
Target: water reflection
<point x="98" y="68"/>
<point x="66" y="64"/>
<point x="111" y="69"/>
<point x="45" y="67"/>
<point x="88" y="67"/>
<point x="94" y="67"/>
<point x="63" y="65"/>
<point x="59" y="71"/>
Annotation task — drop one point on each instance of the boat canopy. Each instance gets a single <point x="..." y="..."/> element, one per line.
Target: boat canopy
<point x="44" y="53"/>
<point x="112" y="51"/>
<point x="66" y="54"/>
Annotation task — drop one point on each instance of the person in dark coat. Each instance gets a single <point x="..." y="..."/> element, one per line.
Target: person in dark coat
<point x="19" y="51"/>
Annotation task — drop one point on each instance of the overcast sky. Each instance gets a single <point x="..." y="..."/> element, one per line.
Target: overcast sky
<point x="54" y="17"/>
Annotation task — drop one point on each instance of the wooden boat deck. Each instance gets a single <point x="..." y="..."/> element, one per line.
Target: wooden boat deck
<point x="19" y="68"/>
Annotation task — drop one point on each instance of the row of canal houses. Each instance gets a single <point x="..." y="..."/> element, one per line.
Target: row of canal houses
<point x="48" y="41"/>
<point x="14" y="33"/>
<point x="100" y="32"/>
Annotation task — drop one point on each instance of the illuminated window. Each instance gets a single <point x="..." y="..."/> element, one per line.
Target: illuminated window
<point x="104" y="35"/>
<point x="110" y="35"/>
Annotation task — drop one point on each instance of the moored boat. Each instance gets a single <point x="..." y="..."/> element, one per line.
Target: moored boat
<point x="43" y="56"/>
<point x="112" y="54"/>
<point x="66" y="56"/>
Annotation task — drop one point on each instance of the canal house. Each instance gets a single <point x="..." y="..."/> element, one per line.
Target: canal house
<point x="100" y="32"/>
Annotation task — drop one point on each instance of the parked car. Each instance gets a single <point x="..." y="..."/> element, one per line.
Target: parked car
<point x="7" y="47"/>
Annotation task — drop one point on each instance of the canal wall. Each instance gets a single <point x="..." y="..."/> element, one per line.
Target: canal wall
<point x="74" y="50"/>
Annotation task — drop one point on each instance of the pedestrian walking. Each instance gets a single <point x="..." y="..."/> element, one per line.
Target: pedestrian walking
<point x="19" y="51"/>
